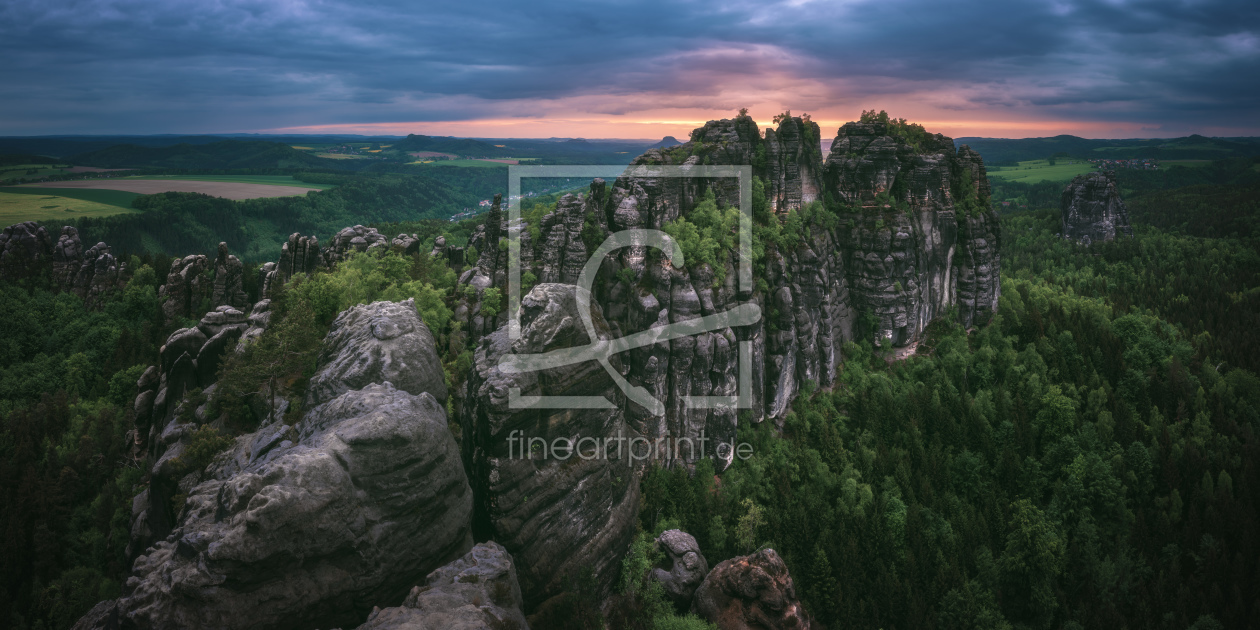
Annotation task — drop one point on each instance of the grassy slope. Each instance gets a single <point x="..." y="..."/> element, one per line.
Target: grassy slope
<point x="1040" y="170"/>
<point x="16" y="208"/>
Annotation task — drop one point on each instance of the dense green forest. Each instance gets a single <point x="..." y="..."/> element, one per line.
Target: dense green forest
<point x="1079" y="462"/>
<point x="1087" y="459"/>
<point x="227" y="154"/>
<point x="1194" y="147"/>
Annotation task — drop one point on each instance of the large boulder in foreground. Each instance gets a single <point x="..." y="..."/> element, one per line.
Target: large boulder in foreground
<point x="377" y="343"/>
<point x="560" y="518"/>
<point x="313" y="526"/>
<point x="683" y="567"/>
<point x="1092" y="209"/>
<point x="751" y="593"/>
<point x="476" y="592"/>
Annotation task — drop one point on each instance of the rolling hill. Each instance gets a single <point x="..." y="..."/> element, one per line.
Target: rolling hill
<point x="227" y="154"/>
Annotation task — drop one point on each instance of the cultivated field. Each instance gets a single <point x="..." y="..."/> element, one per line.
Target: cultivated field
<point x="225" y="189"/>
<point x="271" y="180"/>
<point x="119" y="198"/>
<point x="17" y="207"/>
<point x="1034" y="171"/>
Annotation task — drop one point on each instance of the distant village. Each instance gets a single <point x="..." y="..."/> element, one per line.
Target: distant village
<point x="1142" y="164"/>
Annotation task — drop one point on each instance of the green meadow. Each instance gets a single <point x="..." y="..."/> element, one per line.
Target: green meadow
<point x="1033" y="171"/>
<point x="16" y="207"/>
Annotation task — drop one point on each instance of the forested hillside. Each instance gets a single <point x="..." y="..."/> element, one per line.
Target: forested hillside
<point x="185" y="223"/>
<point x="1088" y="459"/>
<point x="1194" y="147"/>
<point x="227" y="154"/>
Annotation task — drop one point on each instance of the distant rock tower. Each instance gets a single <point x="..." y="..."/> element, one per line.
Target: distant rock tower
<point x="1092" y="209"/>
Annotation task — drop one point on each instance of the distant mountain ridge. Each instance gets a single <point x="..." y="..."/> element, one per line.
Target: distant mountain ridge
<point x="1193" y="147"/>
<point x="226" y="154"/>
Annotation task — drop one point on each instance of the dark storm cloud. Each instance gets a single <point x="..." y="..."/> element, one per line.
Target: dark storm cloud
<point x="143" y="66"/>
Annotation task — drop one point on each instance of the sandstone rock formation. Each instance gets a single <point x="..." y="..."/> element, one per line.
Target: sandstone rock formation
<point x="229" y="276"/>
<point x="357" y="239"/>
<point x="683" y="568"/>
<point x="407" y="244"/>
<point x="557" y="517"/>
<point x="22" y="244"/>
<point x="377" y="343"/>
<point x="313" y="525"/>
<point x="190" y="360"/>
<point x="300" y="254"/>
<point x="906" y="234"/>
<point x="1092" y="209"/>
<point x="751" y="593"/>
<point x="91" y="274"/>
<point x="476" y="592"/>
<point x="187" y="287"/>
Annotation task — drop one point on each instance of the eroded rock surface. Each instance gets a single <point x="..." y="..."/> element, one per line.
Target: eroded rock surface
<point x="751" y="593"/>
<point x="557" y="517"/>
<point x="377" y="343"/>
<point x="314" y="526"/>
<point x="683" y="568"/>
<point x="476" y="592"/>
<point x="901" y="234"/>
<point x="1092" y="209"/>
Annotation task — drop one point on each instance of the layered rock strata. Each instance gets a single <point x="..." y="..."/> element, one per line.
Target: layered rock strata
<point x="316" y="524"/>
<point x="889" y="234"/>
<point x="561" y="514"/>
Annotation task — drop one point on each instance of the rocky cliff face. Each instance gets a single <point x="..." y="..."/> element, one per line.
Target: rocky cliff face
<point x="895" y="235"/>
<point x="557" y="516"/>
<point x="1092" y="209"/>
<point x="300" y="254"/>
<point x="197" y="282"/>
<point x="316" y="524"/>
<point x="908" y="236"/>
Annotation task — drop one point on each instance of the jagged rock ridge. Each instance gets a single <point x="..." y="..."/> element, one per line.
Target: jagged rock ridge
<point x="905" y="236"/>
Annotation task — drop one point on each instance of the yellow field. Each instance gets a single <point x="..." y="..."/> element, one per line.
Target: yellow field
<point x="16" y="208"/>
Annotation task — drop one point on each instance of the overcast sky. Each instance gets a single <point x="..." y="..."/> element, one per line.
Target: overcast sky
<point x="626" y="69"/>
